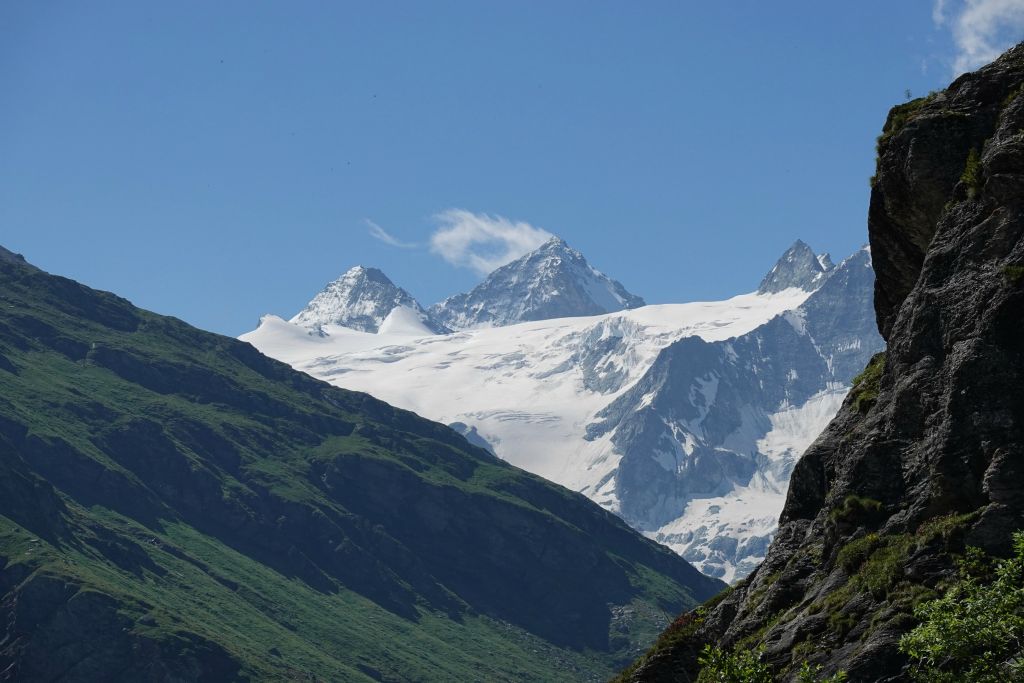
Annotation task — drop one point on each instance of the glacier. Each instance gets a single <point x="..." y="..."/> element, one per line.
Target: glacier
<point x="684" y="419"/>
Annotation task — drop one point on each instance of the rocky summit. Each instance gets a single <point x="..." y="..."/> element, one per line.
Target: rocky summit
<point x="361" y="299"/>
<point x="709" y="435"/>
<point x="553" y="281"/>
<point x="799" y="267"/>
<point x="926" y="456"/>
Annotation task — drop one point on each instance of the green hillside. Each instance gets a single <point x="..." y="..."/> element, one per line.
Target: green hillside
<point x="176" y="506"/>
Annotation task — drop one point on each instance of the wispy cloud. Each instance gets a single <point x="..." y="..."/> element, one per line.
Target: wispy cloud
<point x="481" y="241"/>
<point x="386" y="237"/>
<point x="982" y="29"/>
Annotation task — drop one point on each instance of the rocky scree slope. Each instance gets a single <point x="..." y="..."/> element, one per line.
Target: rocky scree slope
<point x="927" y="454"/>
<point x="176" y="506"/>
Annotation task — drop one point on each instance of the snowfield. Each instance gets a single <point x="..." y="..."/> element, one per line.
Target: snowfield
<point x="531" y="389"/>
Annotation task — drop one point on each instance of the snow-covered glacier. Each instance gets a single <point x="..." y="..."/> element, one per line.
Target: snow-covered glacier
<point x="684" y="419"/>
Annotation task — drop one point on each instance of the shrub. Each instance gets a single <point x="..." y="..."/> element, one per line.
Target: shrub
<point x="737" y="666"/>
<point x="865" y="385"/>
<point x="855" y="553"/>
<point x="971" y="177"/>
<point x="744" y="666"/>
<point x="1013" y="273"/>
<point x="1012" y="95"/>
<point x="811" y="674"/>
<point x="857" y="509"/>
<point x="975" y="631"/>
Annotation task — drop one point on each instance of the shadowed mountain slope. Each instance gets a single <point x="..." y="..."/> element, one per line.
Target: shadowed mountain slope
<point x="176" y="506"/>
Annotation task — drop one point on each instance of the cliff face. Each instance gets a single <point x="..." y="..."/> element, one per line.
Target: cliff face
<point x="927" y="454"/>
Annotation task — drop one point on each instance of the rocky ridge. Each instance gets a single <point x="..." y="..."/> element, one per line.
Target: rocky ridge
<point x="361" y="299"/>
<point x="711" y="424"/>
<point x="799" y="267"/>
<point x="553" y="281"/>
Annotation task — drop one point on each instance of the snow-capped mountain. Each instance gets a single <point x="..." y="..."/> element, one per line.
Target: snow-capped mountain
<point x="714" y="428"/>
<point x="364" y="299"/>
<point x="554" y="281"/>
<point x="798" y="267"/>
<point x="684" y="419"/>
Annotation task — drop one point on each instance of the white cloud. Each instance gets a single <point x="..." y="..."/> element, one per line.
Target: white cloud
<point x="982" y="29"/>
<point x="386" y="237"/>
<point x="481" y="241"/>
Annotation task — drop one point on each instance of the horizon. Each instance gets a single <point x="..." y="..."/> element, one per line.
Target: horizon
<point x="284" y="315"/>
<point x="218" y="163"/>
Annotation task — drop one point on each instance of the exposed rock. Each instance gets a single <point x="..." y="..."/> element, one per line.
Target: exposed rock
<point x="799" y="267"/>
<point x="361" y="299"/>
<point x="553" y="281"/>
<point x="712" y="425"/>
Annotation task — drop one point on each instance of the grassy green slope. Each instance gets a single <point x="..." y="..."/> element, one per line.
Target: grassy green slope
<point x="175" y="505"/>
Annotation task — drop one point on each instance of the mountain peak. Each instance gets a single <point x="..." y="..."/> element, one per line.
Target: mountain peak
<point x="798" y="267"/>
<point x="552" y="281"/>
<point x="554" y="242"/>
<point x="361" y="299"/>
<point x="369" y="273"/>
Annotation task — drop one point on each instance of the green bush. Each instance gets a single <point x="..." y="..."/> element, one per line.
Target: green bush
<point x="812" y="674"/>
<point x="1013" y="273"/>
<point x="744" y="666"/>
<point x="971" y="177"/>
<point x="975" y="631"/>
<point x="865" y="385"/>
<point x="1012" y="95"/>
<point x="737" y="666"/>
<point x="854" y="553"/>
<point x="901" y="115"/>
<point x="857" y="509"/>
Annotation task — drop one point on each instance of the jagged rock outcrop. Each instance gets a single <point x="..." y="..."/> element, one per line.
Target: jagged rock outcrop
<point x="553" y="281"/>
<point x="712" y="425"/>
<point x="927" y="454"/>
<point x="799" y="267"/>
<point x="363" y="299"/>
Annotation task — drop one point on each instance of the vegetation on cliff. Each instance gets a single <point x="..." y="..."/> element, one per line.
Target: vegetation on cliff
<point x="975" y="631"/>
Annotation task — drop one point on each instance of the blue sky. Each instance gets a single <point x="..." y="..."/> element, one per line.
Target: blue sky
<point x="217" y="161"/>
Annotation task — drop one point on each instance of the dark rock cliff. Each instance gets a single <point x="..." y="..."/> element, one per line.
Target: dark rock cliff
<point x="927" y="454"/>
